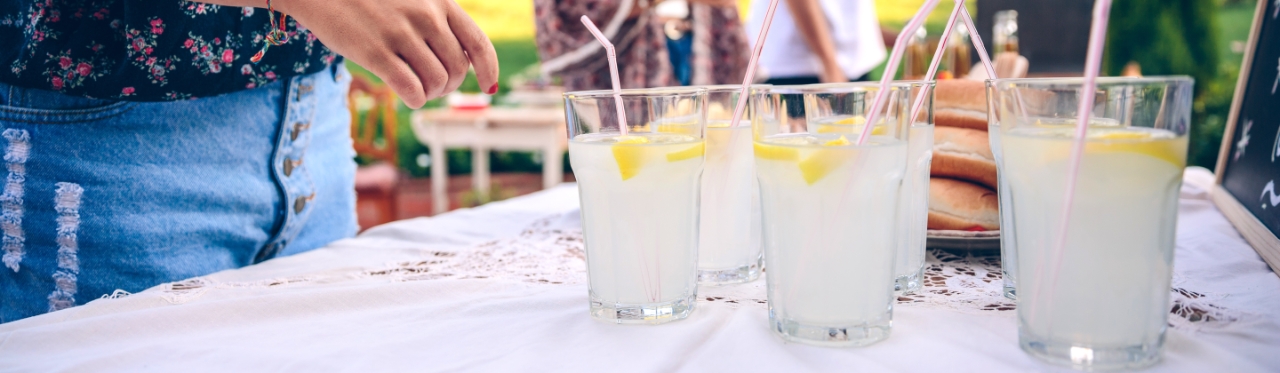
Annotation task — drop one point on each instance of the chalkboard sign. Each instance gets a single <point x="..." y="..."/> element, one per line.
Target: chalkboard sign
<point x="1248" y="170"/>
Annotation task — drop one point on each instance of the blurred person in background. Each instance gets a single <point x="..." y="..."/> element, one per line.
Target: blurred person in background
<point x="702" y="46"/>
<point x="143" y="146"/>
<point x="818" y="41"/>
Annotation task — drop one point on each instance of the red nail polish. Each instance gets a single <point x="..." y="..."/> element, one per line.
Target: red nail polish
<point x="493" y="89"/>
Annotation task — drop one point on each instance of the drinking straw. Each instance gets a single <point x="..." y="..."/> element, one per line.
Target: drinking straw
<point x="1093" y="61"/>
<point x="751" y="64"/>
<point x="963" y="13"/>
<point x="892" y="67"/>
<point x="977" y="43"/>
<point x="613" y="71"/>
<point x="654" y="294"/>
<point x="937" y="58"/>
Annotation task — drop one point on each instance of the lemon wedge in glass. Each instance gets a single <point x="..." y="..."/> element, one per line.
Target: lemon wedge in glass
<point x="823" y="161"/>
<point x="776" y="153"/>
<point x="1166" y="149"/>
<point x="690" y="153"/>
<point x="630" y="158"/>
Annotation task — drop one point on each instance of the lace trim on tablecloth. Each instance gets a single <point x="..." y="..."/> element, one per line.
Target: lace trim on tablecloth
<point x="550" y="251"/>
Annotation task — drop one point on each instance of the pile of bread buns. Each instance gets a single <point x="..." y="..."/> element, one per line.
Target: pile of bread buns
<point x="962" y="184"/>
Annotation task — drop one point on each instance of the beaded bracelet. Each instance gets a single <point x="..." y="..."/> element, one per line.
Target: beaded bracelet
<point x="277" y="35"/>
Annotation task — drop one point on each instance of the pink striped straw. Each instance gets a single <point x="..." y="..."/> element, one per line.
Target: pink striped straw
<point x="937" y="58"/>
<point x="891" y="68"/>
<point x="963" y="13"/>
<point x="613" y="71"/>
<point x="977" y="43"/>
<point x="1093" y="63"/>
<point x="751" y="64"/>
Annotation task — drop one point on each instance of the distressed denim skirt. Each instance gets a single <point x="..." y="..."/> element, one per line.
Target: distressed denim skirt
<point x="101" y="195"/>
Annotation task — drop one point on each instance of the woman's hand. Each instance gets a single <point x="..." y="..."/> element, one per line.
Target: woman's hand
<point x="420" y="48"/>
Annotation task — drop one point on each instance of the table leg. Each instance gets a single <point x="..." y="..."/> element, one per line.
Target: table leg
<point x="480" y="170"/>
<point x="552" y="166"/>
<point x="439" y="174"/>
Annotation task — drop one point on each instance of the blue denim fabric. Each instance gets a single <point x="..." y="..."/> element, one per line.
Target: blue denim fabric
<point x="101" y="195"/>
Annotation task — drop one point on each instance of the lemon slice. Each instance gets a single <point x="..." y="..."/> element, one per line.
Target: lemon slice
<point x="630" y="158"/>
<point x="856" y="128"/>
<point x="690" y="153"/>
<point x="776" y="153"/>
<point x="690" y="128"/>
<point x="1166" y="149"/>
<point x="817" y="166"/>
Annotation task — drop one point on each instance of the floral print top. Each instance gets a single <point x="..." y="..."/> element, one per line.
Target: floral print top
<point x="570" y="52"/>
<point x="147" y="50"/>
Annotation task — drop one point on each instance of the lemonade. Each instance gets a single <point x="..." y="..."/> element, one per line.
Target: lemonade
<point x="909" y="267"/>
<point x="1008" y="238"/>
<point x="639" y="197"/>
<point x="729" y="248"/>
<point x="830" y="226"/>
<point x="1111" y="294"/>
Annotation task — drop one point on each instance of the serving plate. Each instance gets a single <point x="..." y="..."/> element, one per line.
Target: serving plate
<point x="962" y="240"/>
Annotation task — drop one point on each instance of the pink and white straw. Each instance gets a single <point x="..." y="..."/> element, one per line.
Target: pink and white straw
<point x="1093" y="63"/>
<point x="963" y="13"/>
<point x="751" y="64"/>
<point x="613" y="71"/>
<point x="892" y="67"/>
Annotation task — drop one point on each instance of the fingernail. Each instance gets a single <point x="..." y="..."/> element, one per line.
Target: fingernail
<point x="493" y="89"/>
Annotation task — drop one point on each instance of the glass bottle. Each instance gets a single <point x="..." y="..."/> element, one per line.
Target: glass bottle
<point x="1005" y="32"/>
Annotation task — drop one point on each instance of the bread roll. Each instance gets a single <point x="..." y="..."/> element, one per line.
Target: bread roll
<point x="960" y="103"/>
<point x="963" y="154"/>
<point x="959" y="205"/>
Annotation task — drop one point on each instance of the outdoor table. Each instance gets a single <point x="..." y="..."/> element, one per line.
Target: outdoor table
<point x="502" y="287"/>
<point x="496" y="128"/>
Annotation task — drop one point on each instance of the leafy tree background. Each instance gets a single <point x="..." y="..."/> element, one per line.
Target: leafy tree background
<point x="1177" y="37"/>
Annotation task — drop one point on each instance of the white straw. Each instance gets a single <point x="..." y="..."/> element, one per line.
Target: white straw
<point x="977" y="43"/>
<point x="937" y="58"/>
<point x="751" y="64"/>
<point x="891" y="68"/>
<point x="1093" y="62"/>
<point x="613" y="71"/>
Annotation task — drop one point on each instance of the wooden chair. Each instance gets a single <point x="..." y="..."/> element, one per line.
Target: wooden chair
<point x="376" y="184"/>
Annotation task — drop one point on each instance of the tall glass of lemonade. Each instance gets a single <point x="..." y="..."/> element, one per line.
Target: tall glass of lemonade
<point x="830" y="209"/>
<point x="729" y="249"/>
<point x="909" y="267"/>
<point x="640" y="199"/>
<point x="1095" y="296"/>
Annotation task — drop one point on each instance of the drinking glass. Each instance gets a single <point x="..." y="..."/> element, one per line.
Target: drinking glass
<point x="1096" y="296"/>
<point x="640" y="199"/>
<point x="830" y="209"/>
<point x="1008" y="235"/>
<point x="729" y="250"/>
<point x="909" y="267"/>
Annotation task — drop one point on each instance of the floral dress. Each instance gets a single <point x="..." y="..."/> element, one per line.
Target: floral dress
<point x="570" y="52"/>
<point x="139" y="50"/>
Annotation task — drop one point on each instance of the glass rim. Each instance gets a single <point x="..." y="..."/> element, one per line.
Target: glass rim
<point x="849" y="87"/>
<point x="724" y="87"/>
<point x="639" y="92"/>
<point x="1101" y="80"/>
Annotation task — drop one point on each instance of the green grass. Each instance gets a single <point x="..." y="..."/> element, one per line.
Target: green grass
<point x="1234" y="22"/>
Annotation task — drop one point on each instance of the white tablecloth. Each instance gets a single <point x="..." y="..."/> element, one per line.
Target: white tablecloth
<point x="501" y="288"/>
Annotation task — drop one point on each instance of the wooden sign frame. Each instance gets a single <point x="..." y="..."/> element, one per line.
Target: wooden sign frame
<point x="1254" y="231"/>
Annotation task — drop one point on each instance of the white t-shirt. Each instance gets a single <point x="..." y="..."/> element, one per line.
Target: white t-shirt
<point x="854" y="30"/>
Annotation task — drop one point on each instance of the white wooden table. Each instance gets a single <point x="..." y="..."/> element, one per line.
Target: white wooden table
<point x="535" y="129"/>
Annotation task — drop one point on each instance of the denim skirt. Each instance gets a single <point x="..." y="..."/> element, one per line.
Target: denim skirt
<point x="100" y="195"/>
